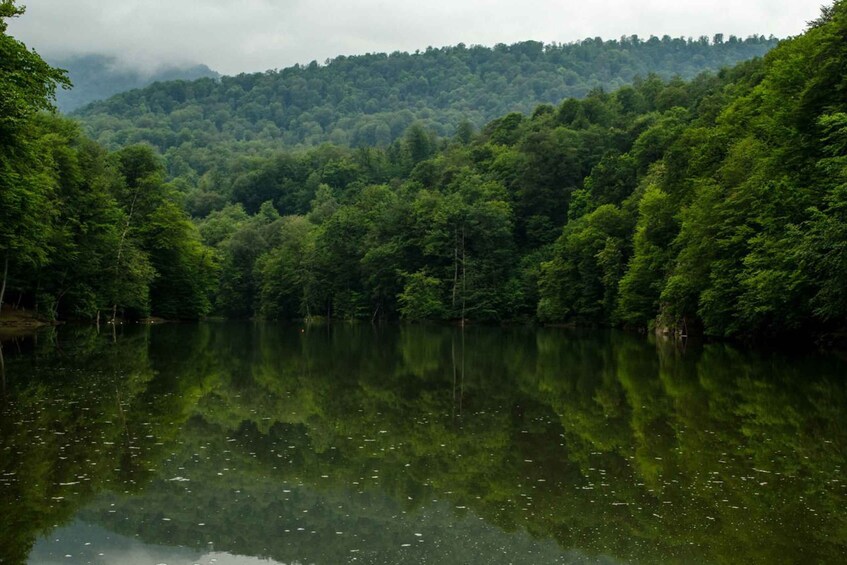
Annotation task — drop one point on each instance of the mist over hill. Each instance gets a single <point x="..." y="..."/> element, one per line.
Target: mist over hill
<point x="97" y="77"/>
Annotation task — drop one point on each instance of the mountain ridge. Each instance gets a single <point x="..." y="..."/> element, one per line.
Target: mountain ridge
<point x="371" y="99"/>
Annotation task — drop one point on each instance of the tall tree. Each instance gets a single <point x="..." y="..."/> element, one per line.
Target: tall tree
<point x="27" y="86"/>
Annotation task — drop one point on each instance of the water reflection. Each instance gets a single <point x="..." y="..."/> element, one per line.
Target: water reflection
<point x="417" y="444"/>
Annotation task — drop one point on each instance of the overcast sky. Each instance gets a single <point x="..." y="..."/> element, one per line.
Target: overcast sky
<point x="233" y="36"/>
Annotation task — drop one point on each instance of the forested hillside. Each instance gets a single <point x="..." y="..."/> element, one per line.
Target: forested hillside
<point x="371" y="99"/>
<point x="97" y="77"/>
<point x="717" y="204"/>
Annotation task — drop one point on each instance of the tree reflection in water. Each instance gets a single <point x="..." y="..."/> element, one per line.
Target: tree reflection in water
<point x="522" y="444"/>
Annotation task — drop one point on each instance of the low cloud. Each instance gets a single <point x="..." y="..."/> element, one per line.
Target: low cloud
<point x="255" y="35"/>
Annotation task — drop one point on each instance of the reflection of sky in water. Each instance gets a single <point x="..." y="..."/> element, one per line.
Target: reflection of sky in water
<point x="85" y="543"/>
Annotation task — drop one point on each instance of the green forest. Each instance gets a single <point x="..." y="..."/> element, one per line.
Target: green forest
<point x="370" y="100"/>
<point x="712" y="204"/>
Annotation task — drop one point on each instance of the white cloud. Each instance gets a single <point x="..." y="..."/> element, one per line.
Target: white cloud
<point x="253" y="35"/>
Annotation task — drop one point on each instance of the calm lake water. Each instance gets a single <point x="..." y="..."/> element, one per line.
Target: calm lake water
<point x="261" y="443"/>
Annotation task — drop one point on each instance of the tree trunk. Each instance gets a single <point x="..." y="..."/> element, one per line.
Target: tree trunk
<point x="455" y="265"/>
<point x="121" y="247"/>
<point x="2" y="370"/>
<point x="462" y="382"/>
<point x="464" y="287"/>
<point x="3" y="284"/>
<point x="55" y="308"/>
<point x="453" y="357"/>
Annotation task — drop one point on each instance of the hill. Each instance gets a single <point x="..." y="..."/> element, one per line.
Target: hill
<point x="97" y="77"/>
<point x="372" y="99"/>
<point x="715" y="205"/>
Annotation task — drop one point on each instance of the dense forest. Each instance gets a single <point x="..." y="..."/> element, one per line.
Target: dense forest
<point x="83" y="231"/>
<point x="717" y="204"/>
<point x="97" y="77"/>
<point x="370" y="100"/>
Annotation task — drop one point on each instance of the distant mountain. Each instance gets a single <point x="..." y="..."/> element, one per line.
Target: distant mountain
<point x="372" y="99"/>
<point x="97" y="77"/>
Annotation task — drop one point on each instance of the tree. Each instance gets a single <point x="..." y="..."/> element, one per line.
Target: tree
<point x="645" y="275"/>
<point x="27" y="85"/>
<point x="288" y="273"/>
<point x="27" y="82"/>
<point x="419" y="143"/>
<point x="185" y="269"/>
<point x="580" y="282"/>
<point x="420" y="299"/>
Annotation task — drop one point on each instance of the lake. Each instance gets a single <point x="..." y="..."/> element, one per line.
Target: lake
<point x="255" y="443"/>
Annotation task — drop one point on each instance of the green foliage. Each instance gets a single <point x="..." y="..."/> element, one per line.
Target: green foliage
<point x="288" y="272"/>
<point x="421" y="298"/>
<point x="27" y="86"/>
<point x="642" y="284"/>
<point x="371" y="100"/>
<point x="737" y="228"/>
<point x="185" y="269"/>
<point x="27" y="83"/>
<point x="709" y="204"/>
<point x="713" y="204"/>
<point x="823" y="254"/>
<point x="110" y="238"/>
<point x="743" y="267"/>
<point x="242" y="241"/>
<point x="82" y="231"/>
<point x="612" y="180"/>
<point x="580" y="282"/>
